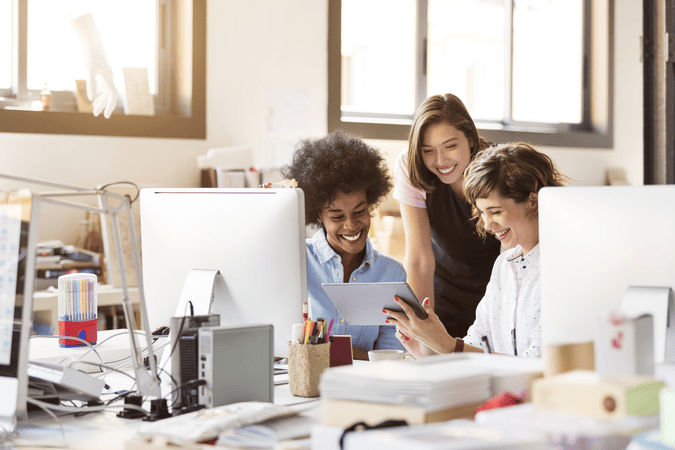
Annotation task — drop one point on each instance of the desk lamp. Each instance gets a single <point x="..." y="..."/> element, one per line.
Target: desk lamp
<point x="111" y="204"/>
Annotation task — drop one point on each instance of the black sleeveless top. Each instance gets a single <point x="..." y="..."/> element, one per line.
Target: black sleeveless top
<point x="463" y="259"/>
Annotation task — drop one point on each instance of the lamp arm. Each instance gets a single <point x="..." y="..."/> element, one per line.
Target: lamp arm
<point x="148" y="382"/>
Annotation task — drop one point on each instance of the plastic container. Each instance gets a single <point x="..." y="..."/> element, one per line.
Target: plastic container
<point x="77" y="309"/>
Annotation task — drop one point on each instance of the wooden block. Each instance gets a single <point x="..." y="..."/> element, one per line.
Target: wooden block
<point x="345" y="413"/>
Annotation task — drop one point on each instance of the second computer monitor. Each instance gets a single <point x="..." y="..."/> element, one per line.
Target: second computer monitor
<point x="254" y="237"/>
<point x="595" y="243"/>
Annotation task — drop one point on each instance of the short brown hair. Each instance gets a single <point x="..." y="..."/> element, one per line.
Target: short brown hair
<point x="514" y="170"/>
<point x="436" y="109"/>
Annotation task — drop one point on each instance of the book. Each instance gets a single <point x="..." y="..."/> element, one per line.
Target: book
<point x="208" y="177"/>
<point x="230" y="178"/>
<point x="57" y="272"/>
<point x="345" y="413"/>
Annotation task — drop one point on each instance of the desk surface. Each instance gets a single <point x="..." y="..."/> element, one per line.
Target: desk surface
<point x="104" y="429"/>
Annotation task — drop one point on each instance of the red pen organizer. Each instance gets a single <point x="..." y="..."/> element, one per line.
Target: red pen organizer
<point x="77" y="309"/>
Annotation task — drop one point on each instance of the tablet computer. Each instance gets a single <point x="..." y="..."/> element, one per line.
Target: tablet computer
<point x="362" y="303"/>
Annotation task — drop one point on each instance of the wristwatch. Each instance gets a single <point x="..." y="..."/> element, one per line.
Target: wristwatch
<point x="459" y="346"/>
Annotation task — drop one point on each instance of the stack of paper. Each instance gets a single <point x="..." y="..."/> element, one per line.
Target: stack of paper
<point x="269" y="433"/>
<point x="460" y="434"/>
<point x="432" y="384"/>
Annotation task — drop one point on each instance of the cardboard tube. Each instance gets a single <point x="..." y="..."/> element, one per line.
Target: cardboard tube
<point x="567" y="357"/>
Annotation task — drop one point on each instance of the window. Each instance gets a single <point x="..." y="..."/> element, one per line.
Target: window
<point x="39" y="47"/>
<point x="522" y="67"/>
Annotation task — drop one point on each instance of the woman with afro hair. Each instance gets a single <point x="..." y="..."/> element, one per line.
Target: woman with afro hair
<point x="343" y="180"/>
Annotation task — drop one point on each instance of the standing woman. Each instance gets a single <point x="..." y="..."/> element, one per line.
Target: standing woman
<point x="343" y="180"/>
<point x="445" y="258"/>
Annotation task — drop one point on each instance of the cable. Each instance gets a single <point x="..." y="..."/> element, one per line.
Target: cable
<point x="178" y="336"/>
<point x="114" y="369"/>
<point x="75" y="409"/>
<point x="123" y="333"/>
<point x="91" y="347"/>
<point x="190" y="383"/>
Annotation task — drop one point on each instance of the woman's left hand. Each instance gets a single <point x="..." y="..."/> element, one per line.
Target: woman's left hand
<point x="430" y="331"/>
<point x="414" y="347"/>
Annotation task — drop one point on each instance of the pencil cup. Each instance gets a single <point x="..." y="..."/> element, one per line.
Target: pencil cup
<point x="305" y="365"/>
<point x="77" y="309"/>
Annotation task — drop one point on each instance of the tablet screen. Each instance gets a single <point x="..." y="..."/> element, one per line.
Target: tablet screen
<point x="362" y="303"/>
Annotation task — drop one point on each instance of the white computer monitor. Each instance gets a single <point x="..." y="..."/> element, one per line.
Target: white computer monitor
<point x="596" y="242"/>
<point x="17" y="276"/>
<point x="254" y="237"/>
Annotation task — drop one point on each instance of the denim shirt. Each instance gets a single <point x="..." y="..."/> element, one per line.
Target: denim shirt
<point x="325" y="266"/>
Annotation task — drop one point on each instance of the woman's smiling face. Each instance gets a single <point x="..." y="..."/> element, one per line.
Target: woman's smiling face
<point x="347" y="222"/>
<point x="446" y="152"/>
<point x="512" y="223"/>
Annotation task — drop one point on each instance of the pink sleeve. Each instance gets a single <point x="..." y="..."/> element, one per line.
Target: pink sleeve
<point x="405" y="192"/>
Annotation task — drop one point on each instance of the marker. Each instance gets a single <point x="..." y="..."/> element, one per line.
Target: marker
<point x="308" y="330"/>
<point x="330" y="325"/>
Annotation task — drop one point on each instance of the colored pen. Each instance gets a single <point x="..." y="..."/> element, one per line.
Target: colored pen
<point x="330" y="325"/>
<point x="308" y="330"/>
<point x="515" y="348"/>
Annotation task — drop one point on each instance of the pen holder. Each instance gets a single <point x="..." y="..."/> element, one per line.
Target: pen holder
<point x="77" y="309"/>
<point x="306" y="363"/>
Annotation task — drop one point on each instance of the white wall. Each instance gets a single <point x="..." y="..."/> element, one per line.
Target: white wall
<point x="261" y="44"/>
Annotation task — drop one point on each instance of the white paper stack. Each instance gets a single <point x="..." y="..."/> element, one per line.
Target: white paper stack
<point x="460" y="434"/>
<point x="269" y="433"/>
<point x="433" y="384"/>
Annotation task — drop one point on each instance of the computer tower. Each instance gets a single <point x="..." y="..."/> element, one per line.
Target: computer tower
<point x="237" y="363"/>
<point x="185" y="356"/>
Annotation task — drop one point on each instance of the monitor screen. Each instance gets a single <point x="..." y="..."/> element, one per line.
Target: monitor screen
<point x="596" y="242"/>
<point x="255" y="238"/>
<point x="15" y="303"/>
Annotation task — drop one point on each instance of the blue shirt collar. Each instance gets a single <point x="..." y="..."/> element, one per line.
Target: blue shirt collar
<point x="325" y="252"/>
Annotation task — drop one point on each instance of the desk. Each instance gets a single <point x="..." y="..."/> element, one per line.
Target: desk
<point x="46" y="304"/>
<point x="104" y="430"/>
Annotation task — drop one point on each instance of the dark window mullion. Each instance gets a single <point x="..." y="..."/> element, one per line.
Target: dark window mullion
<point x="586" y="119"/>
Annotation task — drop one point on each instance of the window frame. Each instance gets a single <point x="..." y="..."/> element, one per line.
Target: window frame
<point x="595" y="131"/>
<point x="183" y="97"/>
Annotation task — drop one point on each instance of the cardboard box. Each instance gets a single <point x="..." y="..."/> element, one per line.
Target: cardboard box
<point x="590" y="394"/>
<point x="345" y="413"/>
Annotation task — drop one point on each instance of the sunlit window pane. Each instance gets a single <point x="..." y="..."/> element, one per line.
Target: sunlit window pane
<point x="55" y="54"/>
<point x="465" y="54"/>
<point x="547" y="61"/>
<point x="378" y="56"/>
<point x="5" y="43"/>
